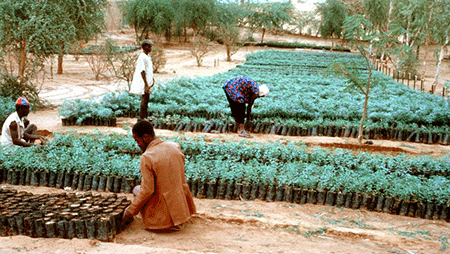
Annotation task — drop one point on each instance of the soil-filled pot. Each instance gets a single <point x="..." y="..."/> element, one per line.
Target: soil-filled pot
<point x="110" y="183"/>
<point x="75" y="178"/>
<point x="312" y="197"/>
<point x="95" y="182"/>
<point x="28" y="177"/>
<point x="80" y="184"/>
<point x="43" y="179"/>
<point x="68" y="179"/>
<point x="34" y="181"/>
<point x="279" y="193"/>
<point x="102" y="183"/>
<point x="221" y="190"/>
<point x="59" y="180"/>
<point x="331" y="198"/>
<point x="437" y="211"/>
<point x="288" y="194"/>
<point x="321" y="197"/>
<point x="117" y="184"/>
<point x="296" y="195"/>
<point x="201" y="190"/>
<point x="413" y="207"/>
<point x="238" y="191"/>
<point x="421" y="210"/>
<point x="246" y="191"/>
<point x="230" y="191"/>
<point x="211" y="190"/>
<point x="429" y="211"/>
<point x="23" y="176"/>
<point x="367" y="202"/>
<point x="357" y="199"/>
<point x="128" y="184"/>
<point x="388" y="203"/>
<point x="194" y="184"/>
<point x="254" y="190"/>
<point x="396" y="205"/>
<point x="262" y="191"/>
<point x="348" y="200"/>
<point x="379" y="204"/>
<point x="87" y="182"/>
<point x="52" y="179"/>
<point x="340" y="199"/>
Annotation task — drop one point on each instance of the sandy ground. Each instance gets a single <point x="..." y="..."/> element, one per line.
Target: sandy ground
<point x="222" y="226"/>
<point x="236" y="226"/>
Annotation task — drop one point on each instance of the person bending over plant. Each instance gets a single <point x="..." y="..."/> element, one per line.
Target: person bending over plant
<point x="17" y="130"/>
<point x="239" y="91"/>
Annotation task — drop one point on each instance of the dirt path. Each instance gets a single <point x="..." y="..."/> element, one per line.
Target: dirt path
<point x="259" y="227"/>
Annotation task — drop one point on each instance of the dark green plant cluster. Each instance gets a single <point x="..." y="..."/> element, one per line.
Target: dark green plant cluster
<point x="276" y="44"/>
<point x="301" y="96"/>
<point x="95" y="49"/>
<point x="6" y="108"/>
<point x="421" y="178"/>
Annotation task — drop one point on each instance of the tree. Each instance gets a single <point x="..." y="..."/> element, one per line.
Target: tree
<point x="199" y="48"/>
<point x="30" y="28"/>
<point x="193" y="14"/>
<point x="269" y="16"/>
<point x="369" y="41"/>
<point x="150" y="16"/>
<point x="441" y="33"/>
<point x="229" y="17"/>
<point x="84" y="19"/>
<point x="333" y="14"/>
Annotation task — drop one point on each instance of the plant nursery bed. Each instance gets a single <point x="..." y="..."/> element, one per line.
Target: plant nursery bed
<point x="61" y="215"/>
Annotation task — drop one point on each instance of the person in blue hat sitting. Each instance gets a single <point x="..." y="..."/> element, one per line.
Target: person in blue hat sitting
<point x="17" y="130"/>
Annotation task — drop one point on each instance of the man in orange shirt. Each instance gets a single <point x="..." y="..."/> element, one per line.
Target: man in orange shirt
<point x="163" y="198"/>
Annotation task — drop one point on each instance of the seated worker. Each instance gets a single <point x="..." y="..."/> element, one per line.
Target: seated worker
<point x="16" y="130"/>
<point x="163" y="198"/>
<point x="239" y="91"/>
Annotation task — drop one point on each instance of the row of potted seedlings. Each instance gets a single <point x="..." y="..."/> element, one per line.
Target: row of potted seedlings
<point x="238" y="191"/>
<point x="353" y="200"/>
<point x="61" y="215"/>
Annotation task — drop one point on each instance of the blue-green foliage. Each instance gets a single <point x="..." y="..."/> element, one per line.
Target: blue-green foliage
<point x="423" y="178"/>
<point x="6" y="108"/>
<point x="300" y="91"/>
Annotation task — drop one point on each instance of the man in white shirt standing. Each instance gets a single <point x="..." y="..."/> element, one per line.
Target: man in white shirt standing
<point x="15" y="131"/>
<point x="143" y="77"/>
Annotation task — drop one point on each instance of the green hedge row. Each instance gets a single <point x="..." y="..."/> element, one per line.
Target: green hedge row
<point x="421" y="178"/>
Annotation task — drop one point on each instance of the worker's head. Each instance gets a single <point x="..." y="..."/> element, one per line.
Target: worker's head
<point x="22" y="107"/>
<point x="143" y="133"/>
<point x="147" y="46"/>
<point x="263" y="91"/>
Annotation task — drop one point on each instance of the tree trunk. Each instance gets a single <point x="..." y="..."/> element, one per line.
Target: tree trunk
<point x="438" y="67"/>
<point x="22" y="60"/>
<point x="262" y="34"/>
<point x="366" y="100"/>
<point x="228" y="48"/>
<point x="60" y="59"/>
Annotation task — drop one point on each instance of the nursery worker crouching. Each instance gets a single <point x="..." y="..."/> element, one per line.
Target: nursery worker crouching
<point x="18" y="131"/>
<point x="239" y="91"/>
<point x="163" y="198"/>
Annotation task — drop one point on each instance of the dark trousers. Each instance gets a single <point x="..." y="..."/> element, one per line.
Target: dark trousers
<point x="237" y="110"/>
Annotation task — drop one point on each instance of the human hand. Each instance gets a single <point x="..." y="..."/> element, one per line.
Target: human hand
<point x="127" y="218"/>
<point x="43" y="140"/>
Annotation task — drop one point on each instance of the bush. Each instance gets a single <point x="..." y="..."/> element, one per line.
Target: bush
<point x="10" y="87"/>
<point x="158" y="58"/>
